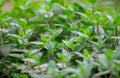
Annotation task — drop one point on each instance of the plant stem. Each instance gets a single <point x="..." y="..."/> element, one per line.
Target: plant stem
<point x="116" y="31"/>
<point x="93" y="9"/>
<point x="49" y="21"/>
<point x="110" y="75"/>
<point x="97" y="28"/>
<point x="3" y="37"/>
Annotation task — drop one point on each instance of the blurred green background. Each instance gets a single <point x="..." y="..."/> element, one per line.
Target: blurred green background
<point x="101" y="4"/>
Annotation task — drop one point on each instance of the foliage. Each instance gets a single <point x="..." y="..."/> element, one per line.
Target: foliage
<point x="59" y="39"/>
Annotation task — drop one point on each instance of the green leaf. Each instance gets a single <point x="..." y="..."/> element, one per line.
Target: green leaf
<point x="93" y="1"/>
<point x="80" y="46"/>
<point x="21" y="32"/>
<point x="16" y="55"/>
<point x="15" y="36"/>
<point x="86" y="53"/>
<point x="80" y="34"/>
<point x="116" y="54"/>
<point x="88" y="12"/>
<point x="97" y="15"/>
<point x="7" y="19"/>
<point x="22" y="22"/>
<point x="5" y="49"/>
<point x="55" y="34"/>
<point x="66" y="43"/>
<point x="51" y="45"/>
<point x="44" y="38"/>
<point x="83" y="16"/>
<point x="52" y="67"/>
<point x="110" y="18"/>
<point x="37" y="43"/>
<point x="117" y="19"/>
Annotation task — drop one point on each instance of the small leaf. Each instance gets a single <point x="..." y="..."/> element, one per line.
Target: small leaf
<point x="30" y="60"/>
<point x="52" y="67"/>
<point x="16" y="55"/>
<point x="34" y="51"/>
<point x="15" y="36"/>
<point x="37" y="43"/>
<point x="86" y="53"/>
<point x="93" y="1"/>
<point x="80" y="46"/>
<point x="110" y="18"/>
<point x="83" y="16"/>
<point x="51" y="45"/>
<point x="22" y="22"/>
<point x="5" y="49"/>
<point x="89" y="12"/>
<point x="80" y="34"/>
<point x="100" y="32"/>
<point x="7" y="19"/>
<point x="97" y="15"/>
<point x="55" y="34"/>
<point x="116" y="54"/>
<point x="21" y="32"/>
<point x="49" y="14"/>
<point x="66" y="43"/>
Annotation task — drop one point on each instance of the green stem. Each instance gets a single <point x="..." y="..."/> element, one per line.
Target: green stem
<point x="93" y="9"/>
<point x="3" y="36"/>
<point x="116" y="31"/>
<point x="97" y="28"/>
<point x="49" y="21"/>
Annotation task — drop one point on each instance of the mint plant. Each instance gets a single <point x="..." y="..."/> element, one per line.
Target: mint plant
<point x="60" y="39"/>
